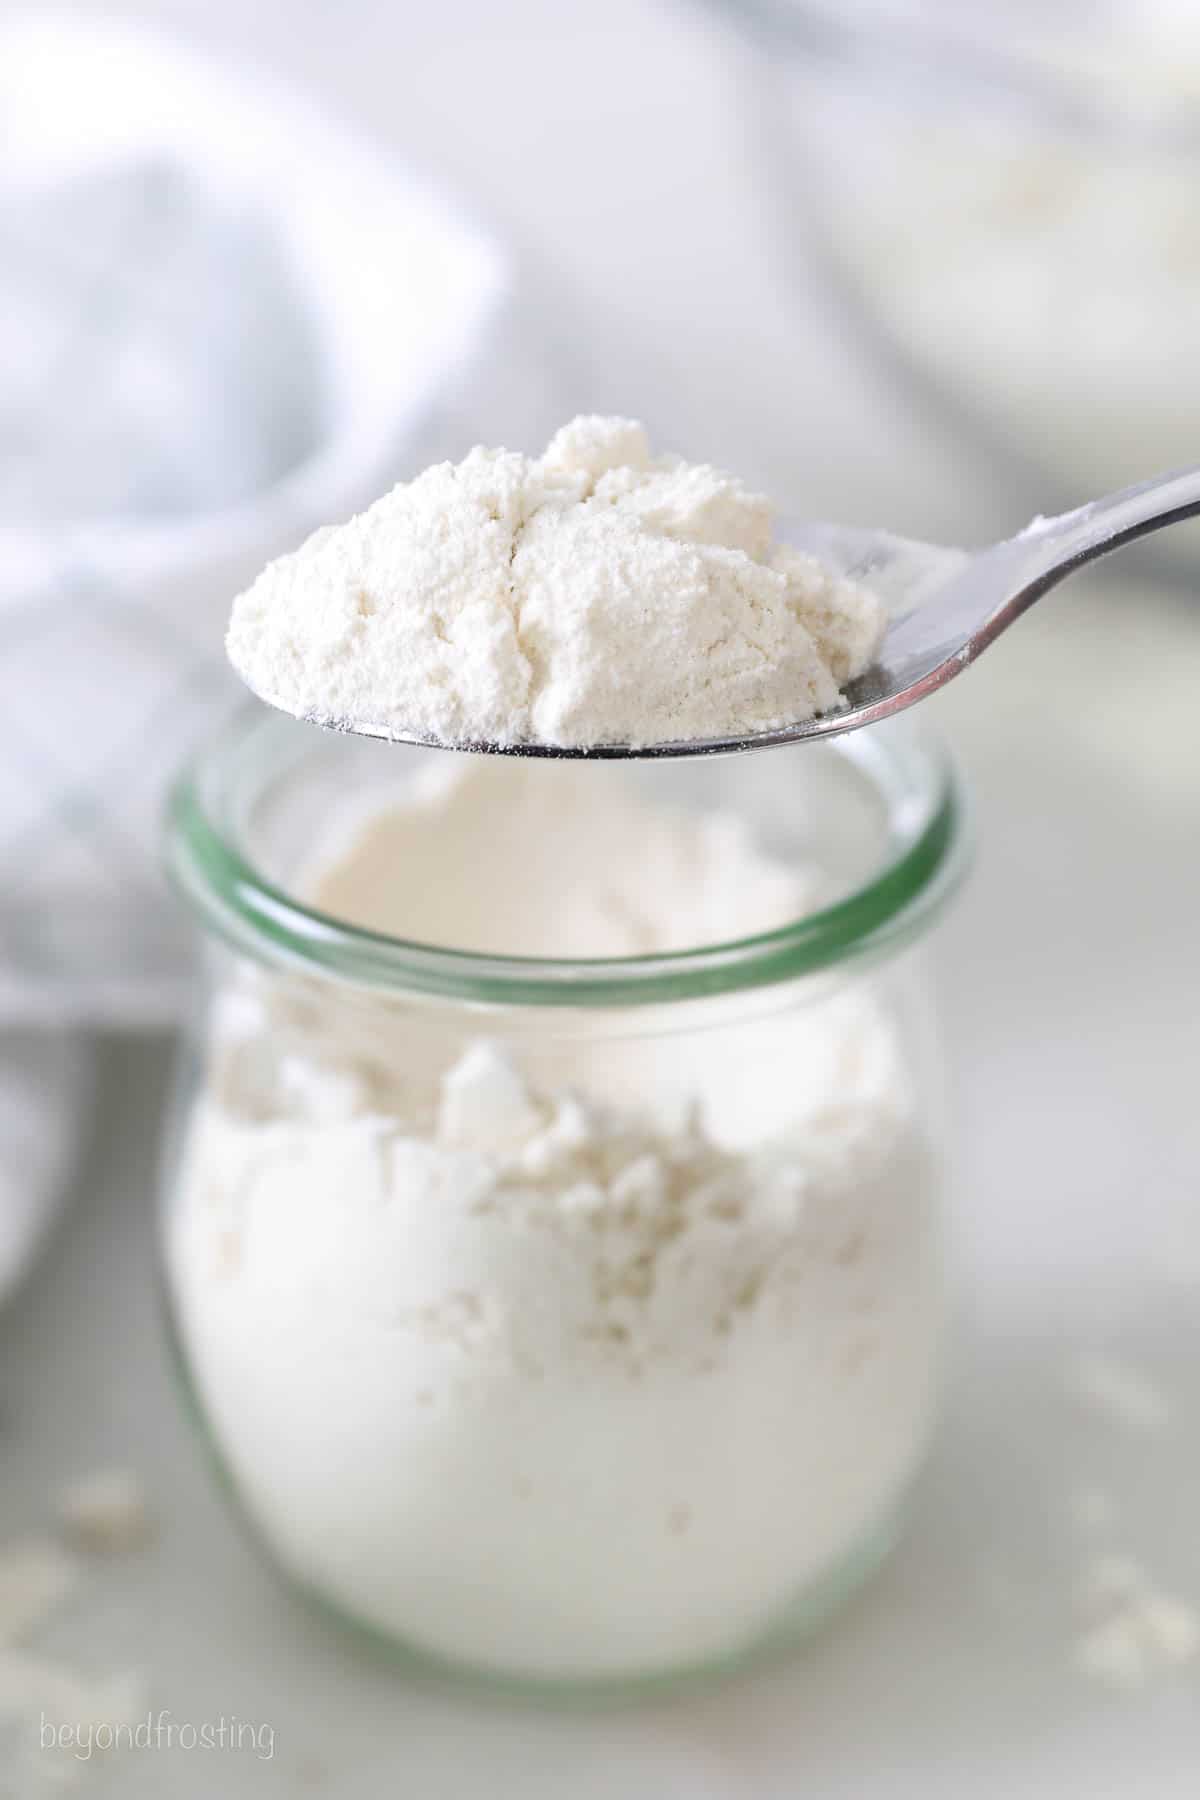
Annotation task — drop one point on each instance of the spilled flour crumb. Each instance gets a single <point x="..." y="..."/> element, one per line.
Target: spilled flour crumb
<point x="593" y="595"/>
<point x="36" y="1575"/>
<point x="1135" y="1630"/>
<point x="38" y="1692"/>
<point x="1131" y="1631"/>
<point x="105" y="1512"/>
<point x="1121" y="1393"/>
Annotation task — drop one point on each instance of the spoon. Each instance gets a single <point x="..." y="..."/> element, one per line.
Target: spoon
<point x="946" y="606"/>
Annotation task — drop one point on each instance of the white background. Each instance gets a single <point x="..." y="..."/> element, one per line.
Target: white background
<point x="619" y="149"/>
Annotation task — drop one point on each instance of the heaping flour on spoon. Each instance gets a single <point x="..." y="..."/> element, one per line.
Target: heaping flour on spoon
<point x="593" y="595"/>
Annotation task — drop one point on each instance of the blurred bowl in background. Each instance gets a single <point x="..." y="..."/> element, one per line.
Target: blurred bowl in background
<point x="1004" y="196"/>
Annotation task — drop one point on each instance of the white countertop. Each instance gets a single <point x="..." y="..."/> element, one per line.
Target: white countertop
<point x="1069" y="977"/>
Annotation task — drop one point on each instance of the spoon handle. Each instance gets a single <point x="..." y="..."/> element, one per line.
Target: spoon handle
<point x="930" y="644"/>
<point x="1064" y="543"/>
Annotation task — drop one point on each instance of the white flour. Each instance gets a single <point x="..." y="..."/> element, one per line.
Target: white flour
<point x="577" y="1352"/>
<point x="1135" y="1631"/>
<point x="592" y="595"/>
<point x="40" y="1694"/>
<point x="105" y="1512"/>
<point x="578" y="864"/>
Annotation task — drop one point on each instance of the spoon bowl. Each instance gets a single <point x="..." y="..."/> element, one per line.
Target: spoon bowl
<point x="945" y="607"/>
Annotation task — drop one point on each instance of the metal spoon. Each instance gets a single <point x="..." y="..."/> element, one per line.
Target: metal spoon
<point x="946" y="607"/>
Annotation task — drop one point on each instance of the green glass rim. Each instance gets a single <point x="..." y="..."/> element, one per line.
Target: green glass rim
<point x="923" y="859"/>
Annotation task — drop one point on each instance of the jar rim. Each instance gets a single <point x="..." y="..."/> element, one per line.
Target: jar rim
<point x="922" y="862"/>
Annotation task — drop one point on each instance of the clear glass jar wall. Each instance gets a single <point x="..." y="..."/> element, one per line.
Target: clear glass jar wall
<point x="564" y="1323"/>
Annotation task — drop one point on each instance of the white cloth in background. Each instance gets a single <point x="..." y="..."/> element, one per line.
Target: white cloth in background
<point x="224" y="321"/>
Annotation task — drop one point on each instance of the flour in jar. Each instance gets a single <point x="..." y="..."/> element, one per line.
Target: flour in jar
<point x="596" y="594"/>
<point x="575" y="1353"/>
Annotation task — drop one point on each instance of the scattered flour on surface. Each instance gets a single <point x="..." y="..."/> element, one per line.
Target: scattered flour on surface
<point x="1114" y="1388"/>
<point x="37" y="1577"/>
<point x="1135" y="1630"/>
<point x="105" y="1512"/>
<point x="596" y="594"/>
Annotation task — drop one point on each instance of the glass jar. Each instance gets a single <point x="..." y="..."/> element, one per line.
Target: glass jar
<point x="564" y="1323"/>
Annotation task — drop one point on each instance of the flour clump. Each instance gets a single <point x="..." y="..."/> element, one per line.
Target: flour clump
<point x="595" y="594"/>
